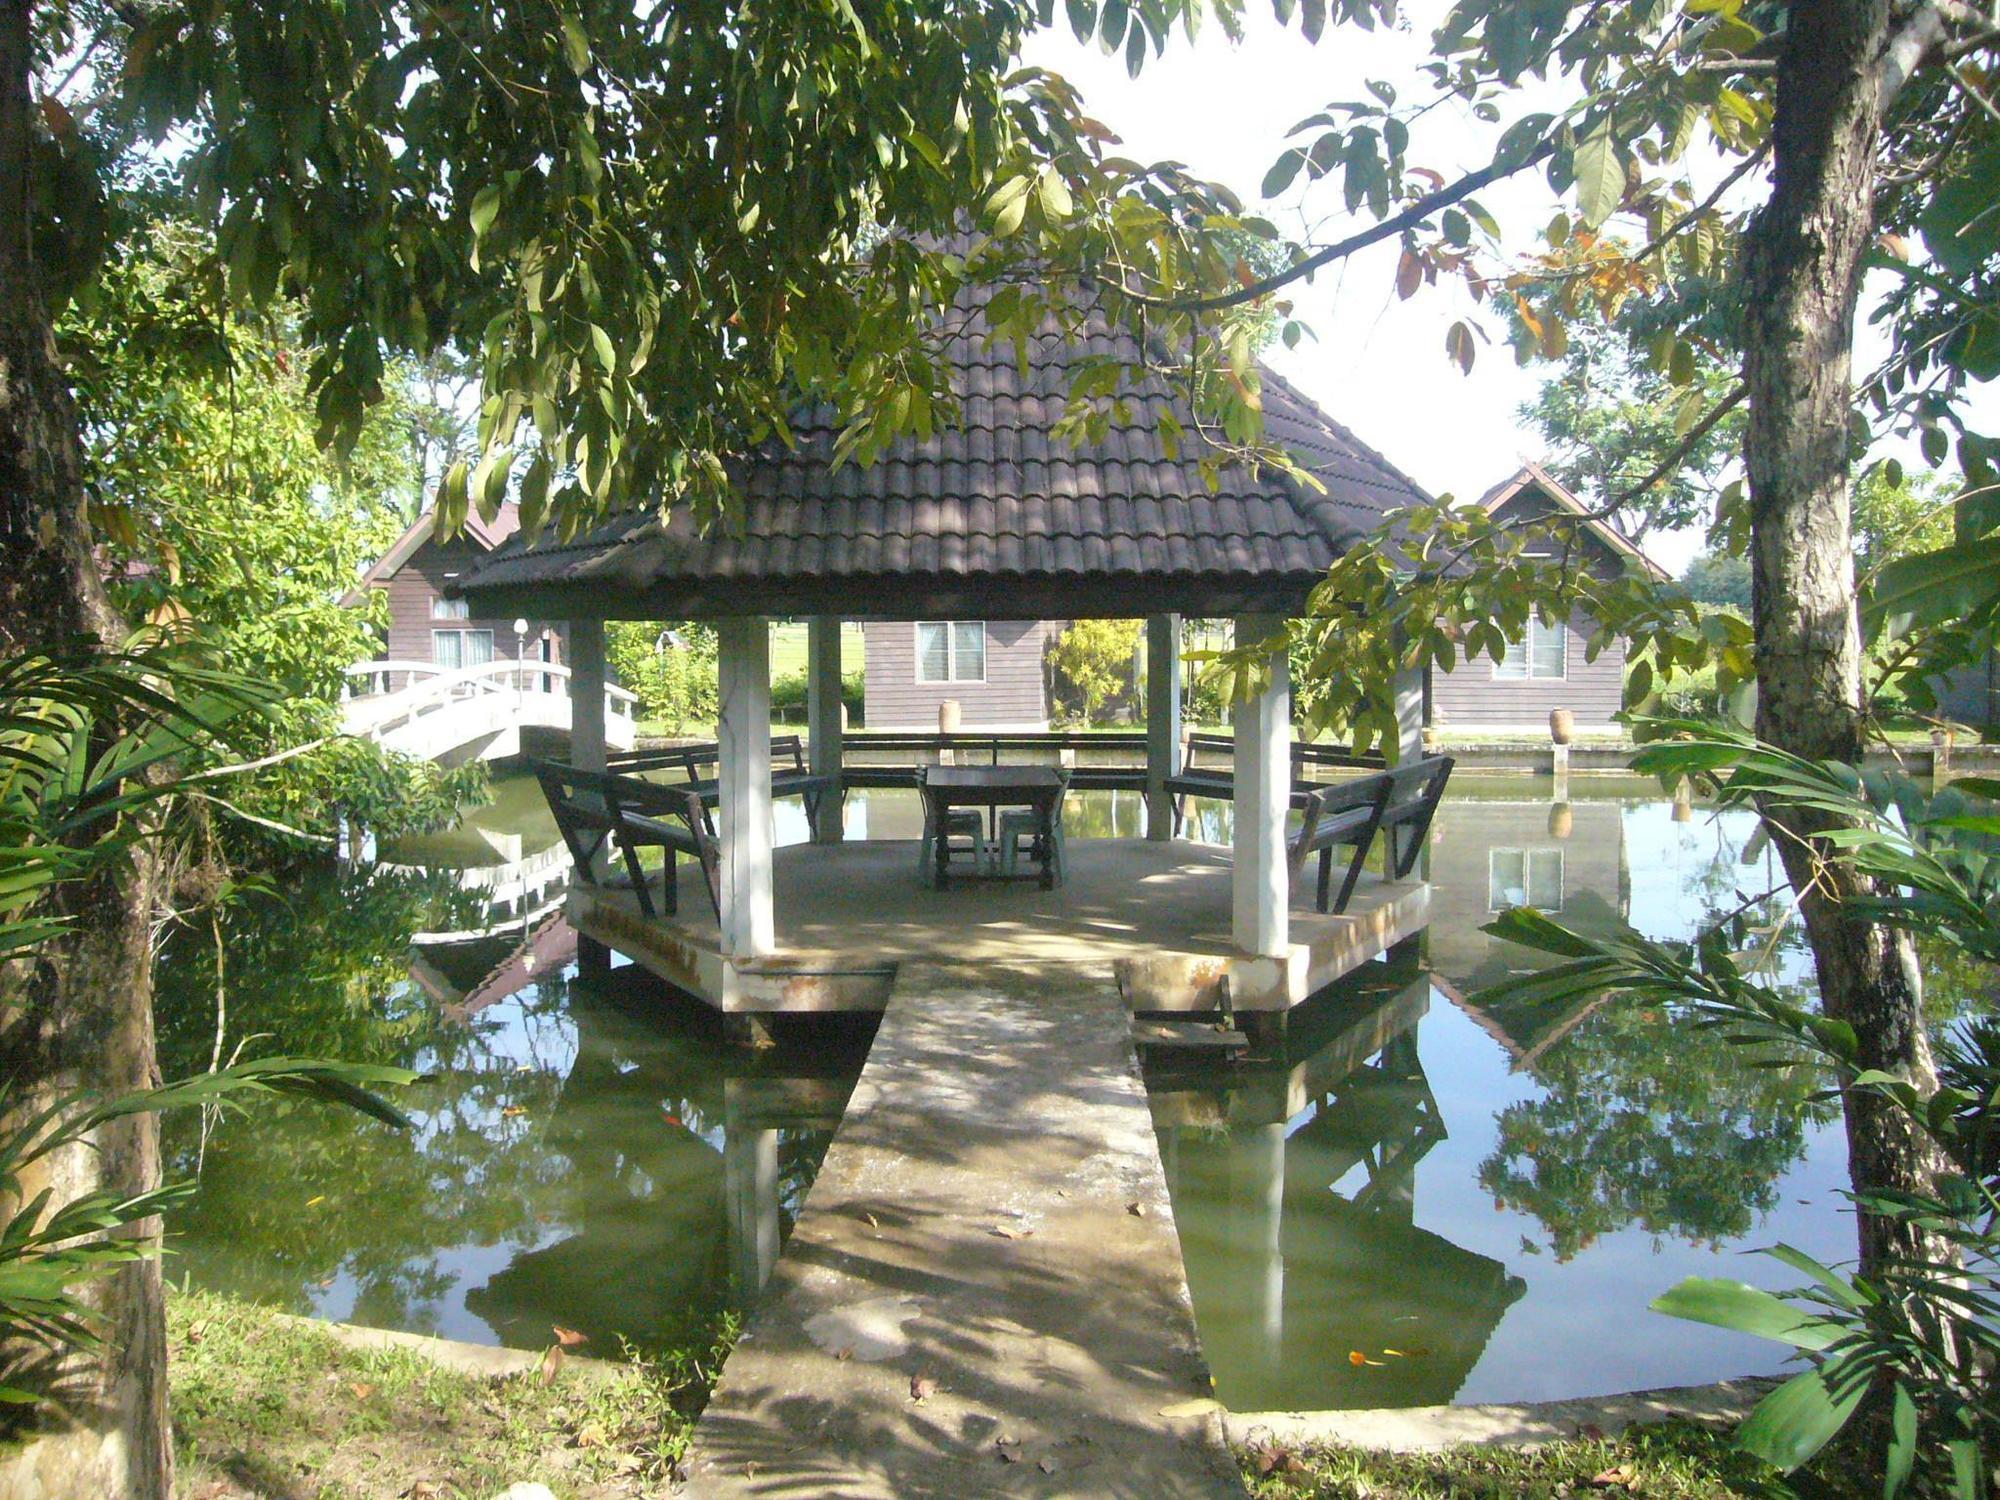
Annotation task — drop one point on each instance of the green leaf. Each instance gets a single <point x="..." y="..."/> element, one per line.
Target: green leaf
<point x="485" y="208"/>
<point x="1529" y="928"/>
<point x="1056" y="201"/>
<point x="1746" y="1309"/>
<point x="1932" y="587"/>
<point x="1902" y="1454"/>
<point x="607" y="356"/>
<point x="1283" y="171"/>
<point x="1799" y="1418"/>
<point x="1600" y="177"/>
<point x="576" y="44"/>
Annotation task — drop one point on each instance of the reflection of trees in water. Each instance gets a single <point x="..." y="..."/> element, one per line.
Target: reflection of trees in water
<point x="1648" y="1119"/>
<point x="567" y="1152"/>
<point x="320" y="968"/>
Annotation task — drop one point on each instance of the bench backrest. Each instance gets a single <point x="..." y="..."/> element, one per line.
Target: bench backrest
<point x="1304" y="753"/>
<point x="705" y="756"/>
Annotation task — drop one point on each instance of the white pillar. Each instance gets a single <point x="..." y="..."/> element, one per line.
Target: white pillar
<point x="1263" y="796"/>
<point x="744" y="777"/>
<point x="823" y="702"/>
<point x="586" y="694"/>
<point x="1262" y="1151"/>
<point x="1409" y="690"/>
<point x="750" y="1196"/>
<point x="1163" y="720"/>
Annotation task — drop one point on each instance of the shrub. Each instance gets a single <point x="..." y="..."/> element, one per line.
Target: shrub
<point x="1094" y="661"/>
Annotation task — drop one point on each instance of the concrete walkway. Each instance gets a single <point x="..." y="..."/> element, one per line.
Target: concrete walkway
<point x="984" y="1294"/>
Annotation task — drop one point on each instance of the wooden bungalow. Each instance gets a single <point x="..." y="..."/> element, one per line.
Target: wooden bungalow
<point x="428" y="622"/>
<point x="994" y="518"/>
<point x="1548" y="667"/>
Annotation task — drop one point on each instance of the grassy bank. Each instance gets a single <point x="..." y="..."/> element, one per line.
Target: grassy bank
<point x="1676" y="1460"/>
<point x="269" y="1406"/>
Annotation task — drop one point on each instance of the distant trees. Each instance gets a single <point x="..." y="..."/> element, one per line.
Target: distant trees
<point x="1718" y="578"/>
<point x="1612" y="416"/>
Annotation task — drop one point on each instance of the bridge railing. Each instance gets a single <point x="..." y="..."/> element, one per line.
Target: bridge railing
<point x="378" y="708"/>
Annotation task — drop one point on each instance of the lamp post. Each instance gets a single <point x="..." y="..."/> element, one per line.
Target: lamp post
<point x="520" y="656"/>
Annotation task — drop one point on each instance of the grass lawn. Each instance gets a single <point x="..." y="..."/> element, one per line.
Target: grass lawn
<point x="268" y="1406"/>
<point x="788" y="648"/>
<point x="1676" y="1460"/>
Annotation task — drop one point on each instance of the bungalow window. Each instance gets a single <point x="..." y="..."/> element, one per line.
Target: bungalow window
<point x="1524" y="877"/>
<point x="450" y="609"/>
<point x="1543" y="654"/>
<point x="461" y="648"/>
<point x="951" y="651"/>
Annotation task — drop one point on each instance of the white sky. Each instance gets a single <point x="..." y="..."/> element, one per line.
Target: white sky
<point x="1378" y="364"/>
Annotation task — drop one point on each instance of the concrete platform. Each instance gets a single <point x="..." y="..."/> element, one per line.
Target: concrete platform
<point x="1153" y="914"/>
<point x="984" y="1292"/>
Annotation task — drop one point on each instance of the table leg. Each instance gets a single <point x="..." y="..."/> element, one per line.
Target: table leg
<point x="942" y="844"/>
<point x="1046" y="846"/>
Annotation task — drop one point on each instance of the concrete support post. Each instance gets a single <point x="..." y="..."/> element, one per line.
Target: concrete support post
<point x="1163" y="720"/>
<point x="750" y="1198"/>
<point x="744" y="777"/>
<point x="1409" y="691"/>
<point x="1263" y="1160"/>
<point x="1263" y="726"/>
<point x="586" y="744"/>
<point x="823" y="716"/>
<point x="586" y="694"/>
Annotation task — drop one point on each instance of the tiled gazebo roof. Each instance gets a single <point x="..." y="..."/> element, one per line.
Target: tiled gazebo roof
<point x="992" y="518"/>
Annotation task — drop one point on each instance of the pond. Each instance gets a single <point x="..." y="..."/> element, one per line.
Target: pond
<point x="1421" y="1199"/>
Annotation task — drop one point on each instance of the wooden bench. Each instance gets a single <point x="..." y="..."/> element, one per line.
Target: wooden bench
<point x="699" y="763"/>
<point x="1197" y="780"/>
<point x="593" y="807"/>
<point x="1349" y="814"/>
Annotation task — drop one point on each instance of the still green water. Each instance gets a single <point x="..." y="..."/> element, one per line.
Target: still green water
<point x="1421" y="1200"/>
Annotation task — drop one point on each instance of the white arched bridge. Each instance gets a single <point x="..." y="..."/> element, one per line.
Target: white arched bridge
<point x="458" y="714"/>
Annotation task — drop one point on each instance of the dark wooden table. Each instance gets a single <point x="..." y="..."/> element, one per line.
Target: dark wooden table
<point x="1038" y="788"/>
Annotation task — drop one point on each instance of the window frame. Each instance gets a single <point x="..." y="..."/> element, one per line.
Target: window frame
<point x="952" y="677"/>
<point x="461" y="664"/>
<point x="450" y="609"/>
<point x="1504" y="671"/>
<point x="1528" y="856"/>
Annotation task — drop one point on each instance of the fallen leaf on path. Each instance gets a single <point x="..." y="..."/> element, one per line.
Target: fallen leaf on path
<point x="591" y="1435"/>
<point x="569" y="1338"/>
<point x="1007" y="1232"/>
<point x="1619" y="1477"/>
<point x="1046" y="1465"/>
<point x="362" y="1390"/>
<point x="921" y="1387"/>
<point x="1195" y="1408"/>
<point x="1009" y="1449"/>
<point x="551" y="1363"/>
<point x="423" y="1489"/>
<point x="844" y="1352"/>
<point x="871" y="1221"/>
<point x="1136" y="1209"/>
<point x="512" y="1110"/>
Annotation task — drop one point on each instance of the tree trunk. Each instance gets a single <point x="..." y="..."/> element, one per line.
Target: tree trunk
<point x="80" y="1014"/>
<point x="1803" y="275"/>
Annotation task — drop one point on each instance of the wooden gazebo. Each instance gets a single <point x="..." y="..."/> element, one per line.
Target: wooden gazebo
<point x="995" y="517"/>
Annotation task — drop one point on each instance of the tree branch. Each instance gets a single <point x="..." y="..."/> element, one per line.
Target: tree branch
<point x="1415" y="214"/>
<point x="1682" y="449"/>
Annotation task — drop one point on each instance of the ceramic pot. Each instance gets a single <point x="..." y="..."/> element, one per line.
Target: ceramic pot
<point x="1562" y="724"/>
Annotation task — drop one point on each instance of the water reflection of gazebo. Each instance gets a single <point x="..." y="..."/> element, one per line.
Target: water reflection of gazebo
<point x="996" y="517"/>
<point x="1316" y="1285"/>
